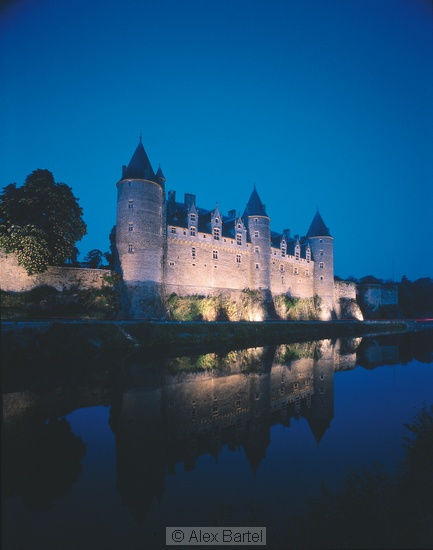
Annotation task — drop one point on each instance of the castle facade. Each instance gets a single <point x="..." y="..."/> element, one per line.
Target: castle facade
<point x="165" y="246"/>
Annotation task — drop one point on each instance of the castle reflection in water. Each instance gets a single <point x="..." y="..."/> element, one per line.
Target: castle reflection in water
<point x="168" y="412"/>
<point x="163" y="420"/>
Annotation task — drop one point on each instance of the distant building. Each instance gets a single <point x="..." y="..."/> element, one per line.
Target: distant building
<point x="165" y="246"/>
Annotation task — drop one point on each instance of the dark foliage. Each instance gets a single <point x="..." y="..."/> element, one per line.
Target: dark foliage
<point x="40" y="222"/>
<point x="416" y="298"/>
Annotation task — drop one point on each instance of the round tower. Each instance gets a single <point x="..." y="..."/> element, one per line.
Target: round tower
<point x="322" y="252"/>
<point x="259" y="234"/>
<point x="139" y="223"/>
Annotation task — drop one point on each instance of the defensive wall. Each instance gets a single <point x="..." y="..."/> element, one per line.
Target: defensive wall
<point x="213" y="277"/>
<point x="14" y="278"/>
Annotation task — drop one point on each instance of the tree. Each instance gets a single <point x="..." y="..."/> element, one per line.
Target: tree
<point x="111" y="256"/>
<point x="40" y="222"/>
<point x="93" y="259"/>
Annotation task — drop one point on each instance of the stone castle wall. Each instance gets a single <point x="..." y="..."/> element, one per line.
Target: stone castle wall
<point x="375" y="295"/>
<point x="14" y="278"/>
<point x="291" y="276"/>
<point x="378" y="300"/>
<point x="201" y="265"/>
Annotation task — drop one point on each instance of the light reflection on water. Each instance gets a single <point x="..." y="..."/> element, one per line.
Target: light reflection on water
<point x="235" y="439"/>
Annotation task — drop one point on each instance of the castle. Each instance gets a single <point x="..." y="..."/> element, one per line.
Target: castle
<point x="165" y="246"/>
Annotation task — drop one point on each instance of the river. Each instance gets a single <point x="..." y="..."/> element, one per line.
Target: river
<point x="236" y="438"/>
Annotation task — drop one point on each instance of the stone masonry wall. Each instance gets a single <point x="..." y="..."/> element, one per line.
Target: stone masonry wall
<point x="200" y="263"/>
<point x="345" y="306"/>
<point x="291" y="276"/>
<point x="14" y="278"/>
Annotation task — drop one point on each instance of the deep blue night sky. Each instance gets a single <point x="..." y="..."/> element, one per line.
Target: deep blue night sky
<point x="317" y="102"/>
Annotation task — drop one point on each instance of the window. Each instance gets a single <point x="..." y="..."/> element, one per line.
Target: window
<point x="320" y="240"/>
<point x="321" y="277"/>
<point x="130" y="226"/>
<point x="295" y="271"/>
<point x="193" y="252"/>
<point x="173" y="230"/>
<point x="321" y="252"/>
<point x="256" y="249"/>
<point x="256" y="233"/>
<point x="307" y="272"/>
<point x="130" y="203"/>
<point x="297" y="252"/>
<point x="283" y="250"/>
<point x="281" y="268"/>
<point x="239" y="225"/>
<point x="217" y="220"/>
<point x="215" y="254"/>
<point x="130" y="248"/>
<point x="256" y="220"/>
<point x="171" y="264"/>
<point x="192" y="217"/>
<point x="321" y="265"/>
<point x="238" y="258"/>
<point x="192" y="231"/>
<point x="308" y="254"/>
<point x="216" y="233"/>
<point x="257" y="266"/>
<point x="239" y="239"/>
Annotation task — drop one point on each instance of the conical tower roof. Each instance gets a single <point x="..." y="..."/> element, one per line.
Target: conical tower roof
<point x="159" y="173"/>
<point x="318" y="227"/>
<point x="255" y="207"/>
<point x="139" y="166"/>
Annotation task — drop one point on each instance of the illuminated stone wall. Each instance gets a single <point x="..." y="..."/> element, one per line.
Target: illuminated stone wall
<point x="201" y="265"/>
<point x="291" y="276"/>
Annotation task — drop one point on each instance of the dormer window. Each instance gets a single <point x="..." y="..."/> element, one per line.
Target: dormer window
<point x="283" y="250"/>
<point x="217" y="220"/>
<point x="192" y="217"/>
<point x="192" y="231"/>
<point x="173" y="230"/>
<point x="308" y="254"/>
<point x="297" y="252"/>
<point x="239" y="239"/>
<point x="239" y="225"/>
<point x="216" y="233"/>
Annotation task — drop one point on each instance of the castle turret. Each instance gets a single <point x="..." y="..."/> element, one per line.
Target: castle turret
<point x="139" y="225"/>
<point x="259" y="234"/>
<point x="322" y="252"/>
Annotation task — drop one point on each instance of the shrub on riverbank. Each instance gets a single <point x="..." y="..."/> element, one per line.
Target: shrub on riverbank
<point x="46" y="301"/>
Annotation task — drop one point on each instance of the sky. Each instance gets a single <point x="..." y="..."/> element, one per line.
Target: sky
<point x="322" y="104"/>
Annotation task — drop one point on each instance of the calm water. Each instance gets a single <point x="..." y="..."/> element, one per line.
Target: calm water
<point x="241" y="438"/>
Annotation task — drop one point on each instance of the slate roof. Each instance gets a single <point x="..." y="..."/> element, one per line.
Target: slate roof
<point x="318" y="227"/>
<point x="254" y="207"/>
<point x="139" y="166"/>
